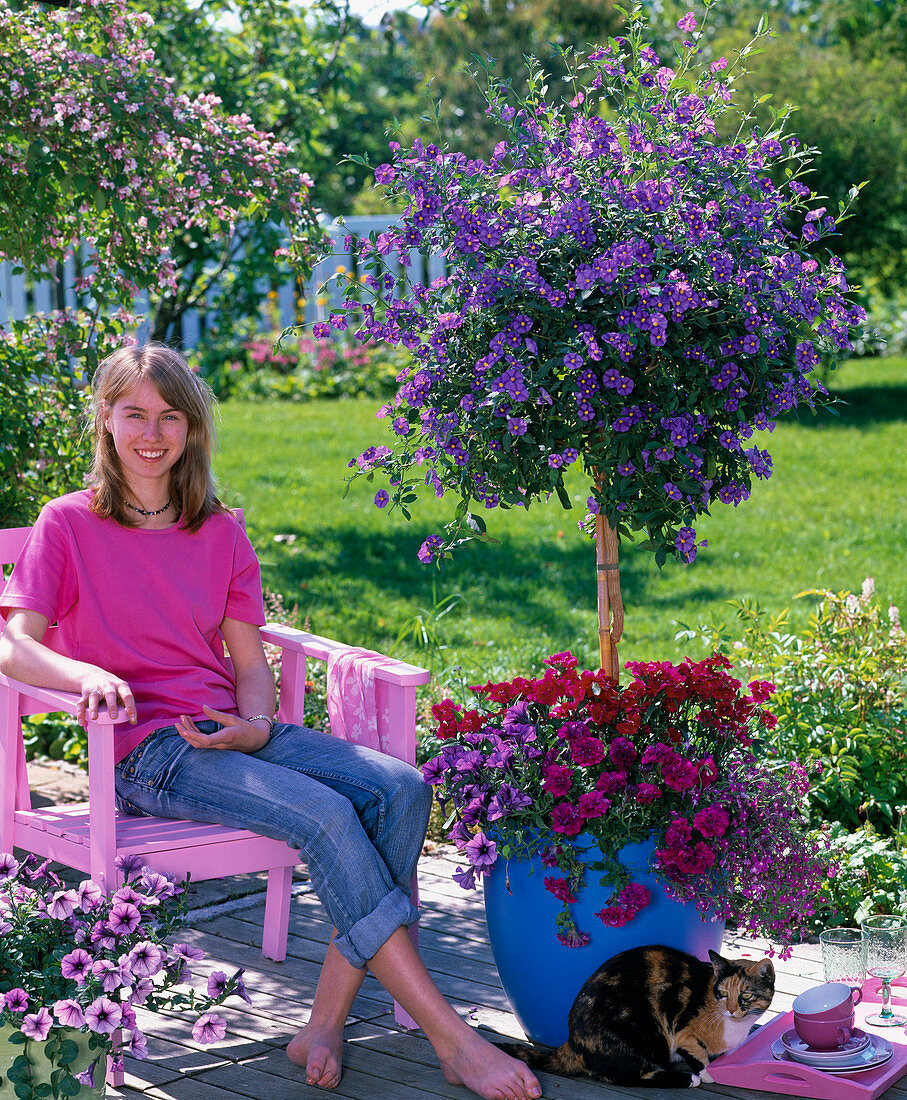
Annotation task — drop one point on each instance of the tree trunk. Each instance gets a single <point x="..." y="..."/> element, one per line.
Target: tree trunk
<point x="610" y="603"/>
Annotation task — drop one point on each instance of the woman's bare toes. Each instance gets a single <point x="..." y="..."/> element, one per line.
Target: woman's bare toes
<point x="320" y="1050"/>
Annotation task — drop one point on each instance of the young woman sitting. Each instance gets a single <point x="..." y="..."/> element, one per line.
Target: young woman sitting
<point x="147" y="574"/>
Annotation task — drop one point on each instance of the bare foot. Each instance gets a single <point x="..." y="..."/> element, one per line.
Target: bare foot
<point x="320" y="1049"/>
<point x="490" y="1072"/>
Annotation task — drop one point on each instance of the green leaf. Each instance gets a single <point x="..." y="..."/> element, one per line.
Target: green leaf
<point x="69" y="1051"/>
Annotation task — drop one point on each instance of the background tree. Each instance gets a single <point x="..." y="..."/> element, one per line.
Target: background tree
<point x="450" y="46"/>
<point x="313" y="75"/>
<point x="843" y="65"/>
<point x="99" y="157"/>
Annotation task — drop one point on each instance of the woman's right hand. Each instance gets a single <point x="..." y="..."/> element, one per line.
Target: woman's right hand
<point x="24" y="656"/>
<point x="98" y="687"/>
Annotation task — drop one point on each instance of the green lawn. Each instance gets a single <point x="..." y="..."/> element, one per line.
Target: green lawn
<point x="833" y="513"/>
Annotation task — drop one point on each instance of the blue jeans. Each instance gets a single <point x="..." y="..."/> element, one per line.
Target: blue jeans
<point x="357" y="817"/>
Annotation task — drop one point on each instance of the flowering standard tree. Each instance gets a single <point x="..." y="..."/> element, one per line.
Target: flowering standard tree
<point x="97" y="151"/>
<point x="625" y="288"/>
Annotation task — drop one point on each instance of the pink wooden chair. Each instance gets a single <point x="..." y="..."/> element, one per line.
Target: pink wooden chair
<point x="88" y="836"/>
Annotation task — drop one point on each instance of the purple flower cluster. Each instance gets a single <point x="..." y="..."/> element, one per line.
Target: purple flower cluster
<point x="637" y="297"/>
<point x="78" y="958"/>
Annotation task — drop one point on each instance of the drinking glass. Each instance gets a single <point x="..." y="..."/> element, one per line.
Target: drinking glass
<point x="842" y="955"/>
<point x="885" y="957"/>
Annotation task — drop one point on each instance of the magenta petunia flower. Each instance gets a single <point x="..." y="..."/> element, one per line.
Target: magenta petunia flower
<point x="16" y="1000"/>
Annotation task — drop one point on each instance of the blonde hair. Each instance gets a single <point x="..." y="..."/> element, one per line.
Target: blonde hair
<point x="191" y="480"/>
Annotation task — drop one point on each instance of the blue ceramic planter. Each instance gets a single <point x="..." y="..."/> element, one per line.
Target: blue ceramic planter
<point x="540" y="976"/>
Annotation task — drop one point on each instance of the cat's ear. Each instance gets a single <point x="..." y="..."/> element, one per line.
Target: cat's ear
<point x="718" y="961"/>
<point x="766" y="969"/>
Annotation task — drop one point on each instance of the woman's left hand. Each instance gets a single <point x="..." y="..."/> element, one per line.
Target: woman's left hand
<point x="237" y="733"/>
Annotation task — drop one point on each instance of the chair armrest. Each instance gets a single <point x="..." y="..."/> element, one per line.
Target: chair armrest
<point x="313" y="645"/>
<point x="51" y="700"/>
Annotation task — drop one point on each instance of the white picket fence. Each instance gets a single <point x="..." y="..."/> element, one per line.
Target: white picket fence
<point x="21" y="297"/>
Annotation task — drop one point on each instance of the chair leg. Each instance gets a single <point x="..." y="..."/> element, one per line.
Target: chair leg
<point x="277" y="913"/>
<point x="115" y="1077"/>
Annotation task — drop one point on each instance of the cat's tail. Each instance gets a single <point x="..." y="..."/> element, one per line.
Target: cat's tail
<point x="563" y="1061"/>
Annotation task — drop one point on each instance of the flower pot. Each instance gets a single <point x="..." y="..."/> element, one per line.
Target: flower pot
<point x="540" y="976"/>
<point x="42" y="1069"/>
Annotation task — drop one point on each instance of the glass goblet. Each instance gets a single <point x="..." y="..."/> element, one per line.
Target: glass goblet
<point x="885" y="957"/>
<point x="842" y="955"/>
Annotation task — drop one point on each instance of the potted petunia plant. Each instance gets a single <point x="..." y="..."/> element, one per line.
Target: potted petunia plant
<point x="75" y="964"/>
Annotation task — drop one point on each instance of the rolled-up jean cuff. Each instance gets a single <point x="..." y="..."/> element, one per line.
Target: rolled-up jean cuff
<point x="370" y="933"/>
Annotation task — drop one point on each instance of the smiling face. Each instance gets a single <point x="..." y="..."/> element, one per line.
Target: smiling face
<point x="149" y="437"/>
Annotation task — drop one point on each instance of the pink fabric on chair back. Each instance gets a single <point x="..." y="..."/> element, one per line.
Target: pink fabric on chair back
<point x="351" y="700"/>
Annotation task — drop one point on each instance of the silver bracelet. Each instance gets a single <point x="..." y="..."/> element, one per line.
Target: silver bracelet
<point x="263" y="718"/>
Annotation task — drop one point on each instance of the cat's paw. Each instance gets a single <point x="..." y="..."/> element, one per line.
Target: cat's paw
<point x="695" y="1080"/>
<point x="706" y="1078"/>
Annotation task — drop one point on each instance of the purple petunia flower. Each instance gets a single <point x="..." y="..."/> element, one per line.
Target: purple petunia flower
<point x="138" y="1044"/>
<point x="480" y="851"/>
<point x="124" y="918"/>
<point x="209" y="1028"/>
<point x="37" y="1025"/>
<point x="321" y="330"/>
<point x="69" y="1013"/>
<point x="90" y="895"/>
<point x="86" y="1077"/>
<point x="76" y="965"/>
<point x="381" y="498"/>
<point x="145" y="959"/>
<point x="465" y="879"/>
<point x="62" y="905"/>
<point x="217" y="983"/>
<point x="129" y="863"/>
<point x="103" y="1016"/>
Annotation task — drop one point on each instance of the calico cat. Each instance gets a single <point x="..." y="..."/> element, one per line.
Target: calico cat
<point x="645" y="1009"/>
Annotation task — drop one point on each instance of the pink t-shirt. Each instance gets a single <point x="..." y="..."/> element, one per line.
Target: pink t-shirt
<point x="144" y="605"/>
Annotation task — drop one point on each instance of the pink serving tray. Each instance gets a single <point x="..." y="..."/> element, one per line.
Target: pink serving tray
<point x="752" y="1066"/>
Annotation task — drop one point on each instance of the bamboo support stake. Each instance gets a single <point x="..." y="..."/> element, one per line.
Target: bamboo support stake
<point x="610" y="602"/>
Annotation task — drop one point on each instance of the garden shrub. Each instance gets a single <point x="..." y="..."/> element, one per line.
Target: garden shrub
<point x="41" y="405"/>
<point x="57" y="737"/>
<point x="254" y="369"/>
<point x="840" y="699"/>
<point x="871" y="877"/>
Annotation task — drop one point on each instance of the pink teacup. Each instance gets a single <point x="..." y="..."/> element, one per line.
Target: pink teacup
<point x="824" y="1016"/>
<point x="823" y="1034"/>
<point x="828" y="1001"/>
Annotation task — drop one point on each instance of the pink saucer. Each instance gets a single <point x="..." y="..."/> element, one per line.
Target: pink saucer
<point x="795" y="1045"/>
